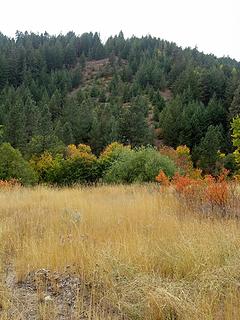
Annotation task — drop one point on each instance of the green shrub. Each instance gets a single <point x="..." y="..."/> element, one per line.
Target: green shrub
<point x="236" y="139"/>
<point x="47" y="167"/>
<point x="79" y="166"/>
<point x="77" y="170"/>
<point x="13" y="166"/>
<point x="109" y="155"/>
<point x="139" y="165"/>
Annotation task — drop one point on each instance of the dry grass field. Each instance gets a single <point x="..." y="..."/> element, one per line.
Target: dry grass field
<point x="114" y="253"/>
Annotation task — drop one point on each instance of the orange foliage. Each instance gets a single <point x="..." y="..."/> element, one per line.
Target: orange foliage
<point x="181" y="157"/>
<point x="8" y="184"/>
<point x="204" y="193"/>
<point x="217" y="190"/>
<point x="186" y="186"/>
<point x="162" y="179"/>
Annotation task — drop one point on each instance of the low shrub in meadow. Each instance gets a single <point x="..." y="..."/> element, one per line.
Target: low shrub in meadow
<point x="9" y="184"/>
<point x="206" y="194"/>
<point x="139" y="165"/>
<point x="13" y="166"/>
<point x="78" y="166"/>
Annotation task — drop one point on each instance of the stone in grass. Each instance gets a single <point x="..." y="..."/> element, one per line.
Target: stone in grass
<point x="48" y="299"/>
<point x="76" y="217"/>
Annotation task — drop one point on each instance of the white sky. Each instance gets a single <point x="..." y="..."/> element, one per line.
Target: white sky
<point x="211" y="25"/>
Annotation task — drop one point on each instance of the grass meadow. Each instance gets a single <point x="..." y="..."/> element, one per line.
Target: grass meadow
<point x="138" y="252"/>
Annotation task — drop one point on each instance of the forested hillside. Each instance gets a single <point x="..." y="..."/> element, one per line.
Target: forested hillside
<point x="68" y="89"/>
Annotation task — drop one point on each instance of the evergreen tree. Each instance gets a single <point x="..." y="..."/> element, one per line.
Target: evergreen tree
<point x="170" y="121"/>
<point x="207" y="151"/>
<point x="234" y="109"/>
<point x="133" y="126"/>
<point x="32" y="118"/>
<point x="15" y="131"/>
<point x="64" y="133"/>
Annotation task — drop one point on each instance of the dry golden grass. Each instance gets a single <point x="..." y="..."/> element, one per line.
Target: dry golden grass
<point x="142" y="254"/>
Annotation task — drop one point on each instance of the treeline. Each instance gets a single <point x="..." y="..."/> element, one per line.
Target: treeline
<point x="47" y="102"/>
<point x="78" y="165"/>
<point x="117" y="163"/>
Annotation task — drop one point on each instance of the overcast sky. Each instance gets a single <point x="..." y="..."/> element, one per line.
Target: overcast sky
<point x="211" y="25"/>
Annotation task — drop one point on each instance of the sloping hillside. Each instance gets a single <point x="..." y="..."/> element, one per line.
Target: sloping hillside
<point x="57" y="90"/>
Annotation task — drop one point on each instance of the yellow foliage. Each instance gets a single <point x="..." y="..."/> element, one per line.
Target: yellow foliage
<point x="71" y="151"/>
<point x="107" y="153"/>
<point x="42" y="162"/>
<point x="221" y="155"/>
<point x="196" y="174"/>
<point x="84" y="148"/>
<point x="81" y="151"/>
<point x="183" y="151"/>
<point x="236" y="178"/>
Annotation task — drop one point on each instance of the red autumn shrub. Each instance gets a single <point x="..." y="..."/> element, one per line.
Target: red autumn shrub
<point x="8" y="184"/>
<point x="217" y="189"/>
<point x="186" y="186"/>
<point x="163" y="179"/>
<point x="208" y="194"/>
